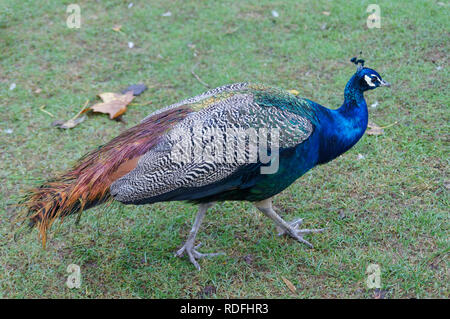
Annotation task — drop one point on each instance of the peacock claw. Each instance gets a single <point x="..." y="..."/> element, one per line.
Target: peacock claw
<point x="297" y="233"/>
<point x="294" y="223"/>
<point x="193" y="254"/>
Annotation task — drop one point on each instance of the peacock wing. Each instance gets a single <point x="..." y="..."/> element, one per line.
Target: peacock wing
<point x="219" y="138"/>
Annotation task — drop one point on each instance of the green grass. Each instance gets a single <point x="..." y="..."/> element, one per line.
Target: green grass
<point x="395" y="200"/>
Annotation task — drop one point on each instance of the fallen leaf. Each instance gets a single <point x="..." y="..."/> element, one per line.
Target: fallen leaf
<point x="117" y="28"/>
<point x="327" y="13"/>
<point x="295" y="92"/>
<point x="70" y="123"/>
<point x="74" y="121"/>
<point x="137" y="89"/>
<point x="289" y="284"/>
<point x="374" y="129"/>
<point x="113" y="104"/>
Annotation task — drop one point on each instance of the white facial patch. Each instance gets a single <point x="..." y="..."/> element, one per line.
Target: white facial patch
<point x="369" y="80"/>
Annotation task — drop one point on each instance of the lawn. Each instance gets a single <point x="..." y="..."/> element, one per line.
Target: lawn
<point x="384" y="202"/>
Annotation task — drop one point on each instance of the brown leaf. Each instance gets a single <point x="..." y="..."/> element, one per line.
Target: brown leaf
<point x="117" y="27"/>
<point x="374" y="129"/>
<point x="70" y="123"/>
<point x="113" y="104"/>
<point x="290" y="285"/>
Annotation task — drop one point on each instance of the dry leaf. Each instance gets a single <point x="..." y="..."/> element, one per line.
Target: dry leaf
<point x="289" y="284"/>
<point x="374" y="129"/>
<point x="74" y="121"/>
<point x="70" y="123"/>
<point x="137" y="89"/>
<point x="113" y="104"/>
<point x="117" y="28"/>
<point x="295" y="92"/>
<point x="327" y="13"/>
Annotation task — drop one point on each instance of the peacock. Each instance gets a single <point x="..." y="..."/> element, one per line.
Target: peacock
<point x="238" y="142"/>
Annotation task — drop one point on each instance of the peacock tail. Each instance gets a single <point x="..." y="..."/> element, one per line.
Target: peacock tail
<point x="87" y="183"/>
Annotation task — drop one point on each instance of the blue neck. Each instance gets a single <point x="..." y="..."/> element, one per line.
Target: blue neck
<point x="342" y="128"/>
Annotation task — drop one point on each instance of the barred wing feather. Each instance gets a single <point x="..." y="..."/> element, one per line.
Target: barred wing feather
<point x="196" y="152"/>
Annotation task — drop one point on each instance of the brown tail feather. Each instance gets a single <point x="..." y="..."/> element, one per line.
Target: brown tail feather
<point x="87" y="184"/>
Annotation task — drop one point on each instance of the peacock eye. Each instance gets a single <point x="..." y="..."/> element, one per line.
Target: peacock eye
<point x="374" y="79"/>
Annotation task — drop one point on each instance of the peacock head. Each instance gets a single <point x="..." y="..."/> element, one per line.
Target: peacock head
<point x="367" y="79"/>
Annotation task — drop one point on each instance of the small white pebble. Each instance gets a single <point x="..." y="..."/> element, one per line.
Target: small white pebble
<point x="360" y="156"/>
<point x="130" y="45"/>
<point x="375" y="104"/>
<point x="167" y="14"/>
<point x="8" y="131"/>
<point x="130" y="5"/>
<point x="275" y="14"/>
<point x="12" y="86"/>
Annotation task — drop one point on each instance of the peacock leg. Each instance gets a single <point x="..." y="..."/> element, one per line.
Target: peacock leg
<point x="189" y="247"/>
<point x="291" y="229"/>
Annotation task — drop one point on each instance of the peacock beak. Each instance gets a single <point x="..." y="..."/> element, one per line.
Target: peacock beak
<point x="384" y="83"/>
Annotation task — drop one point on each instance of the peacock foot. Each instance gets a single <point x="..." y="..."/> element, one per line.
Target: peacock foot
<point x="193" y="254"/>
<point x="293" y="231"/>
